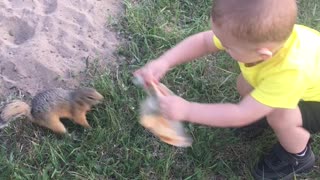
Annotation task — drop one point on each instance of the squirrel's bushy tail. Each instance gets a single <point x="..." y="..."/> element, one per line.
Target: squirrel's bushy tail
<point x="14" y="110"/>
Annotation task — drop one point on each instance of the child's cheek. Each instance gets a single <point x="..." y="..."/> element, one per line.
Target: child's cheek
<point x="230" y="52"/>
<point x="233" y="55"/>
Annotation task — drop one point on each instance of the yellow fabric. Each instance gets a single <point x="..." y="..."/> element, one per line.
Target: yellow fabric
<point x="291" y="75"/>
<point x="217" y="43"/>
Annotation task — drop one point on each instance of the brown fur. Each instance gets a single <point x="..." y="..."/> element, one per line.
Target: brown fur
<point x="51" y="105"/>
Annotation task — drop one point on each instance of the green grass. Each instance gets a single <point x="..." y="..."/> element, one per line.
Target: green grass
<point x="118" y="147"/>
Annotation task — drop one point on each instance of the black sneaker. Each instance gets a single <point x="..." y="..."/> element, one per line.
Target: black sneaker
<point x="280" y="164"/>
<point x="252" y="131"/>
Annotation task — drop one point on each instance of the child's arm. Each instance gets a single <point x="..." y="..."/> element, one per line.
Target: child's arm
<point x="189" y="49"/>
<point x="216" y="115"/>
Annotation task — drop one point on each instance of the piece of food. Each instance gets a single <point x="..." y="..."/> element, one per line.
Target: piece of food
<point x="171" y="132"/>
<point x="167" y="131"/>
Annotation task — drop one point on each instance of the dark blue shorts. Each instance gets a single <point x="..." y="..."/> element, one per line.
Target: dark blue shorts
<point x="310" y="112"/>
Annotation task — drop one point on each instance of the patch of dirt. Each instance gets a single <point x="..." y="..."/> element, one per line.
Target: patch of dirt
<point x="49" y="43"/>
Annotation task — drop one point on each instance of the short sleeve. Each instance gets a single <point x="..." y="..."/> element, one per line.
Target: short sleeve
<point x="217" y="43"/>
<point x="281" y="90"/>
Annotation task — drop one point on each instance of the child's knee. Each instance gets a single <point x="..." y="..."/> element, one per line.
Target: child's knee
<point x="284" y="118"/>
<point x="243" y="87"/>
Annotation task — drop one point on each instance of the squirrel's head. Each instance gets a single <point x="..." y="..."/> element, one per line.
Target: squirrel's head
<point x="88" y="95"/>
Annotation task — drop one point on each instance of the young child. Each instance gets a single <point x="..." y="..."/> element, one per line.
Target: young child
<point x="280" y="78"/>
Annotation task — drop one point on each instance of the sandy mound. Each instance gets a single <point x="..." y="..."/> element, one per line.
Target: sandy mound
<point x="48" y="43"/>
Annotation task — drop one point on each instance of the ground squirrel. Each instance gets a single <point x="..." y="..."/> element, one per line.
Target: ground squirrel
<point x="49" y="106"/>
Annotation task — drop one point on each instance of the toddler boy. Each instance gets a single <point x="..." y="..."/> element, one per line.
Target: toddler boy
<point x="280" y="78"/>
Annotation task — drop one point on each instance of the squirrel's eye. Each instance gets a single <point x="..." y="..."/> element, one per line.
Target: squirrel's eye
<point x="90" y="97"/>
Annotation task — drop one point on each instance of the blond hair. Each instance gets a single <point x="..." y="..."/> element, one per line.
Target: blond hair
<point x="256" y="20"/>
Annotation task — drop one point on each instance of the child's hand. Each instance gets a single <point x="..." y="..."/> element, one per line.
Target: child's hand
<point x="153" y="71"/>
<point x="174" y="107"/>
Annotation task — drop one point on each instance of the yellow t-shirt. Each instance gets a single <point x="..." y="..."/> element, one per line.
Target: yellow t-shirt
<point x="291" y="75"/>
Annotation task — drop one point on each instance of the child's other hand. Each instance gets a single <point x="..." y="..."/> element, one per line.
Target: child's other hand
<point x="152" y="71"/>
<point x="174" y="107"/>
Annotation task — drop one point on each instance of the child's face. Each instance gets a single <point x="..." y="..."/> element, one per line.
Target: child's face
<point x="240" y="51"/>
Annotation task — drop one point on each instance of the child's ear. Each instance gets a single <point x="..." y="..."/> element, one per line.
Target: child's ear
<point x="265" y="53"/>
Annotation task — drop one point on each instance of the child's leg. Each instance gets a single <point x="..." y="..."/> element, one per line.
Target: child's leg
<point x="243" y="87"/>
<point x="255" y="129"/>
<point x="283" y="161"/>
<point x="287" y="125"/>
<point x="293" y="155"/>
